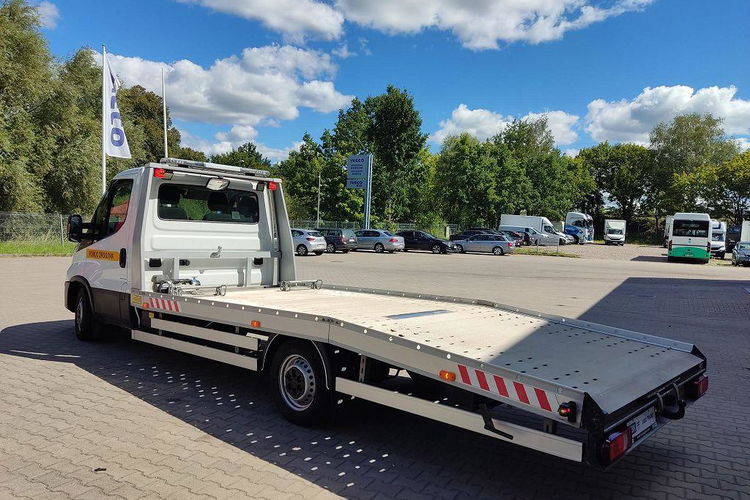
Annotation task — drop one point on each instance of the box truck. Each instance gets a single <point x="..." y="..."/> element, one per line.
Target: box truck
<point x="614" y="232"/>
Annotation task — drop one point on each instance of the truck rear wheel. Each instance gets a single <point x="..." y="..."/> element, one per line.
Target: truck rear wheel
<point x="298" y="384"/>
<point x="86" y="326"/>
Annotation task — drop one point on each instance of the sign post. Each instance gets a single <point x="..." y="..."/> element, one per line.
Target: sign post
<point x="359" y="176"/>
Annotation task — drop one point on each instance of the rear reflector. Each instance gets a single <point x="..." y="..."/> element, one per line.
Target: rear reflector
<point x="448" y="376"/>
<point x="616" y="445"/>
<point x="255" y="323"/>
<point x="697" y="387"/>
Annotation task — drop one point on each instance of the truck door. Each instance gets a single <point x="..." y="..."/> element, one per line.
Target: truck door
<point x="104" y="259"/>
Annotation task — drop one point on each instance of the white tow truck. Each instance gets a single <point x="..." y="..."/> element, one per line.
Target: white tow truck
<point x="198" y="257"/>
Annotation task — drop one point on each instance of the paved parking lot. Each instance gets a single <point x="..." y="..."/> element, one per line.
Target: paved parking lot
<point x="117" y="418"/>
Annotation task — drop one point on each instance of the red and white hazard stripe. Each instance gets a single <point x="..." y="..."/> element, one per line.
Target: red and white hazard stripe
<point x="164" y="304"/>
<point x="527" y="394"/>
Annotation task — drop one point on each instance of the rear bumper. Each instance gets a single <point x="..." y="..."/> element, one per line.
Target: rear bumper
<point x="394" y="246"/>
<point x="689" y="253"/>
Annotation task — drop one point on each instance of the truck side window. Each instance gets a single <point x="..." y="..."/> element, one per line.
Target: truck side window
<point x="110" y="215"/>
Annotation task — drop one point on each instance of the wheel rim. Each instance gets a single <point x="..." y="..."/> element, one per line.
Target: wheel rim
<point x="460" y="249"/>
<point x="79" y="315"/>
<point x="330" y="248"/>
<point x="297" y="382"/>
<point x="379" y="248"/>
<point x="436" y="249"/>
<point x="302" y="250"/>
<point x="497" y="250"/>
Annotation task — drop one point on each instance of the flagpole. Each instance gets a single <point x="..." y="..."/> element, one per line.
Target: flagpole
<point x="164" y="112"/>
<point x="104" y="115"/>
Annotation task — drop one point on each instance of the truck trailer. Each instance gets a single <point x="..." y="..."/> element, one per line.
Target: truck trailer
<point x="198" y="258"/>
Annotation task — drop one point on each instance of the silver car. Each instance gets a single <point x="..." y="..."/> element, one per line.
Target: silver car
<point x="379" y="240"/>
<point x="492" y="243"/>
<point x="307" y="241"/>
<point x="741" y="254"/>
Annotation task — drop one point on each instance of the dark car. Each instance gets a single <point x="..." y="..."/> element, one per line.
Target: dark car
<point x="733" y="236"/>
<point x="339" y="239"/>
<point x="514" y="236"/>
<point x="467" y="233"/>
<point x="419" y="240"/>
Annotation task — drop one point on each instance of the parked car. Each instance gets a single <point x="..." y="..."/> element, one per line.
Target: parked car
<point x="494" y="243"/>
<point x="339" y="239"/>
<point x="741" y="254"/>
<point x="379" y="240"/>
<point x="308" y="241"/>
<point x="468" y="232"/>
<point x="517" y="238"/>
<point x="420" y="240"/>
<point x="534" y="236"/>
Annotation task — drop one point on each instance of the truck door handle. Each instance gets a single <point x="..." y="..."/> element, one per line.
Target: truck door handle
<point x="123" y="257"/>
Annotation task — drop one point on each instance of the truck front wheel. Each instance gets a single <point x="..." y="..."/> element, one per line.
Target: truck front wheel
<point x="86" y="326"/>
<point x="298" y="384"/>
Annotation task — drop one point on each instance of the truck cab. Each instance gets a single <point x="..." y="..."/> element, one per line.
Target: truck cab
<point x="167" y="224"/>
<point x="580" y="226"/>
<point x="718" y="238"/>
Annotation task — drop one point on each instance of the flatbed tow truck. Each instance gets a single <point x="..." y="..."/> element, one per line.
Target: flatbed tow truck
<point x="198" y="257"/>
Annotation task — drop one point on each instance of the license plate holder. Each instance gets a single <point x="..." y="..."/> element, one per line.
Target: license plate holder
<point x="642" y="423"/>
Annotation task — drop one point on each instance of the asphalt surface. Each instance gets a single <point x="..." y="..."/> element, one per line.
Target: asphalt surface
<point x="117" y="418"/>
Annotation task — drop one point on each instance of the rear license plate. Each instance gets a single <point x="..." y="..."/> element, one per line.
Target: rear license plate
<point x="642" y="423"/>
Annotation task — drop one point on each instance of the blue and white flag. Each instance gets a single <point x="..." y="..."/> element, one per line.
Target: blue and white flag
<point x="115" y="142"/>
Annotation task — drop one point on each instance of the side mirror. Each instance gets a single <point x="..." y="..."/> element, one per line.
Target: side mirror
<point x="75" y="227"/>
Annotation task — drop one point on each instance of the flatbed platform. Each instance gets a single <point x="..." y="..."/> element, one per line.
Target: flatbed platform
<point x="613" y="366"/>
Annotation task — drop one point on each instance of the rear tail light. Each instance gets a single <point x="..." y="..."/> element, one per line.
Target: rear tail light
<point x="697" y="387"/>
<point x="708" y="247"/>
<point x="568" y="410"/>
<point x="616" y="445"/>
<point x="670" y="244"/>
<point x="161" y="173"/>
<point x="309" y="238"/>
<point x="393" y="240"/>
<point x="342" y="240"/>
<point x="272" y="186"/>
<point x="510" y="244"/>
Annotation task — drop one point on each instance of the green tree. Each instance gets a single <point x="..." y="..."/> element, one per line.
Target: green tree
<point x="621" y="173"/>
<point x="25" y="85"/>
<point x="686" y="143"/>
<point x="396" y="140"/>
<point x="465" y="181"/>
<point x="246" y="155"/>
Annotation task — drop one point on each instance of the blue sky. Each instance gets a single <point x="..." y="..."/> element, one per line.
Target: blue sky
<point x="473" y="67"/>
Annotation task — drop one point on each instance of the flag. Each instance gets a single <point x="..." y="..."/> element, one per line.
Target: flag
<point x="115" y="142"/>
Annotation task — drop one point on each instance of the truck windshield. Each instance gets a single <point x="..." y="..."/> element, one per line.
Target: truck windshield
<point x="198" y="203"/>
<point x="692" y="228"/>
<point x="718" y="237"/>
<point x="612" y="230"/>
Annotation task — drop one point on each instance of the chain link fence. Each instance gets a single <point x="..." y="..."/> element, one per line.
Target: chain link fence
<point x="33" y="227"/>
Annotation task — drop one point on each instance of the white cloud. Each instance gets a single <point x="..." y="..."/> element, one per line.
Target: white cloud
<point x="343" y="52"/>
<point x="631" y="121"/>
<point x="483" y="123"/>
<point x="294" y="18"/>
<point x="743" y="143"/>
<point x="483" y="24"/>
<point x="236" y="136"/>
<point x="263" y="84"/>
<point x="48" y="14"/>
<point x="571" y="152"/>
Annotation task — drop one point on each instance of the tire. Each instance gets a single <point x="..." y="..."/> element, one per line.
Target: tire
<point x="86" y="326"/>
<point x="301" y="250"/>
<point x="498" y="251"/>
<point x="721" y="255"/>
<point x="298" y="384"/>
<point x="670" y="259"/>
<point x="391" y="251"/>
<point x="379" y="248"/>
<point x="436" y="249"/>
<point x="576" y="239"/>
<point x="318" y="253"/>
<point x="345" y="250"/>
<point x="460" y="249"/>
<point x="331" y="248"/>
<point x="562" y="242"/>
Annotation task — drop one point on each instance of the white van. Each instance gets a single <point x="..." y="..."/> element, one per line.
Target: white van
<point x="667" y="229"/>
<point x="718" y="238"/>
<point x="690" y="237"/>
<point x="547" y="235"/>
<point x="614" y="232"/>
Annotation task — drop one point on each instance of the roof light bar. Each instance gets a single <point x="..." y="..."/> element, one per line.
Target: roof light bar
<point x="214" y="166"/>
